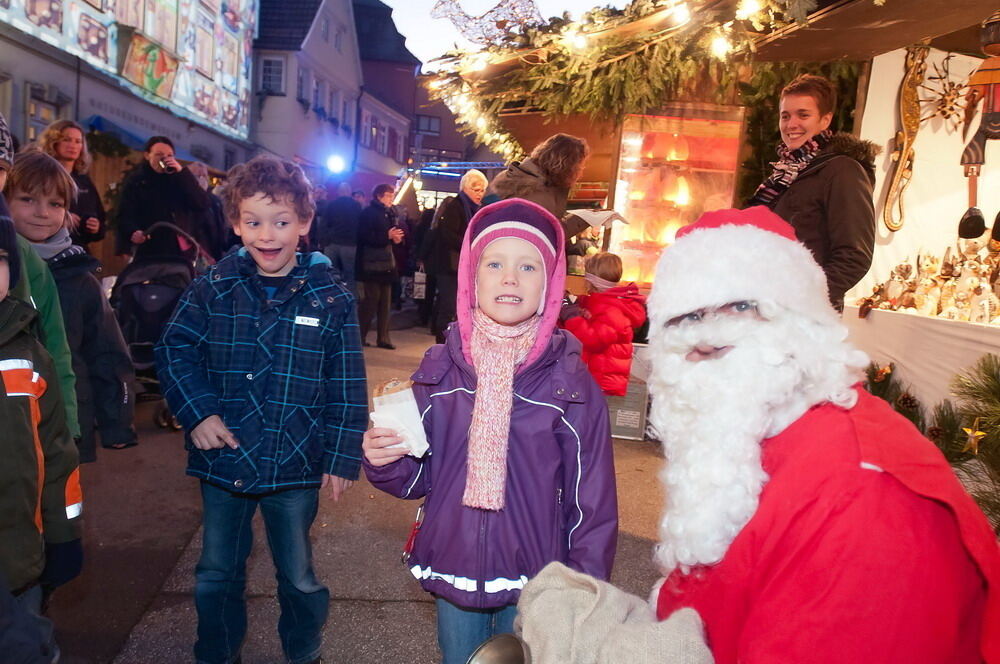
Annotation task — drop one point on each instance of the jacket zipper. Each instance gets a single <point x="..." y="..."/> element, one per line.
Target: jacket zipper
<point x="482" y="558"/>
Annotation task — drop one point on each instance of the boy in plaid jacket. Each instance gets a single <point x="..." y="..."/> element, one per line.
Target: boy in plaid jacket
<point x="261" y="363"/>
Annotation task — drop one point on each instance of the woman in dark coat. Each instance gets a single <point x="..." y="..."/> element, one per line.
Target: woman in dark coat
<point x="160" y="190"/>
<point x="64" y="141"/>
<point x="822" y="185"/>
<point x="376" y="265"/>
<point x="546" y="178"/>
<point x="450" y="221"/>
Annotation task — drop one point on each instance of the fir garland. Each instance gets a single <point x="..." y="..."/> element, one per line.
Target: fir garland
<point x="599" y="68"/>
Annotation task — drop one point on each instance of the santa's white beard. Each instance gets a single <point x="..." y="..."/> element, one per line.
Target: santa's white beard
<point x="713" y="415"/>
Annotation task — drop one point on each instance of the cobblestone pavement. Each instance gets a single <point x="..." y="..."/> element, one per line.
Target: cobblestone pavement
<point x="134" y="604"/>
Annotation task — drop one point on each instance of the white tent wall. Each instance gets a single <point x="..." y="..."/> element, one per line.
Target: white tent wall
<point x="937" y="195"/>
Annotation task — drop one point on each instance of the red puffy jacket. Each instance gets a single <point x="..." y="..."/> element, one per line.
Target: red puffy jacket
<point x="607" y="334"/>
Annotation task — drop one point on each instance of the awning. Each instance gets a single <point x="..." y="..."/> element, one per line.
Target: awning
<point x="134" y="141"/>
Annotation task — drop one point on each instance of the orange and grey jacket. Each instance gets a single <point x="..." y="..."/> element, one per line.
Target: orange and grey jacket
<point x="40" y="497"/>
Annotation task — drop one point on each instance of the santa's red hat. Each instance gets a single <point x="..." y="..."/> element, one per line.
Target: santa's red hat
<point x="738" y="255"/>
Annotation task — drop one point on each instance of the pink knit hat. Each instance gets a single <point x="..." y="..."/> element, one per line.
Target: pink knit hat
<point x="527" y="221"/>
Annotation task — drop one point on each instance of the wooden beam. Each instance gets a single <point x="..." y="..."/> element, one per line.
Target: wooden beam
<point x="860" y="30"/>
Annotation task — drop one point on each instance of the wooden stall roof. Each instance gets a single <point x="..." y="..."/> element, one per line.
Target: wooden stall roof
<point x="860" y="30"/>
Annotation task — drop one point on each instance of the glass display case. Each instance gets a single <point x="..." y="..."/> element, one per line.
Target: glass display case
<point x="672" y="167"/>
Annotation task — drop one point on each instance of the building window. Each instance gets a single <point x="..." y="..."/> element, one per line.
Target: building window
<point x="272" y="76"/>
<point x="338" y="39"/>
<point x="334" y="103"/>
<point x="324" y="28"/>
<point x="429" y="125"/>
<point x="382" y="139"/>
<point x="300" y="84"/>
<point x="228" y="158"/>
<point x="346" y="112"/>
<point x="367" y="129"/>
<point x="317" y="94"/>
<point x="39" y="116"/>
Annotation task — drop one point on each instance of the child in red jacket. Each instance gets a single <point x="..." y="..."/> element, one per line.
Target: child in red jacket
<point x="605" y="320"/>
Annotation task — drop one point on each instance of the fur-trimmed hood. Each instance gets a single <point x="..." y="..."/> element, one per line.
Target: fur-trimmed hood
<point x="520" y="178"/>
<point x="849" y="145"/>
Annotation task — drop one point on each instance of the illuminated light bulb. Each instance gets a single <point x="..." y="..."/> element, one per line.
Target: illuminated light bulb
<point x="436" y="84"/>
<point x="481" y="122"/>
<point x="683" y="198"/>
<point x="637" y="195"/>
<point x="721" y="47"/>
<point x="747" y="9"/>
<point x="682" y="14"/>
<point x="487" y="137"/>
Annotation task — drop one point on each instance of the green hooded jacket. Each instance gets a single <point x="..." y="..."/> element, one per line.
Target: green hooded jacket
<point x="38" y="288"/>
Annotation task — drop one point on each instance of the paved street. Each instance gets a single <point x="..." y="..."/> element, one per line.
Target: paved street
<point x="134" y="603"/>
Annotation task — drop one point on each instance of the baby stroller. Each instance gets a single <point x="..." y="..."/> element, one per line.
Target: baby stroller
<point x="143" y="298"/>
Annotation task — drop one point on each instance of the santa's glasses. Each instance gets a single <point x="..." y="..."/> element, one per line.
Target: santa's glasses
<point x="742" y="308"/>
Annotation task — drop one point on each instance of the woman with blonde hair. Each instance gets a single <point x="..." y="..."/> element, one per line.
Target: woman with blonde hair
<point x="64" y="141"/>
<point x="545" y="178"/>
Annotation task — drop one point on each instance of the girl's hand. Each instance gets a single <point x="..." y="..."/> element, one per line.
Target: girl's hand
<point x="376" y="445"/>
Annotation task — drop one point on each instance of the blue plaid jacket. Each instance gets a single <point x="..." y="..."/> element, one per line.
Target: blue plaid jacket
<point x="287" y="378"/>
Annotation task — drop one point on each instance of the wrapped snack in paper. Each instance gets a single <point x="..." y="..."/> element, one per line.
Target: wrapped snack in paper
<point x="396" y="408"/>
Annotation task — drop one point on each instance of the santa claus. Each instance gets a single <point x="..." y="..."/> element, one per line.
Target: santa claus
<point x="805" y="520"/>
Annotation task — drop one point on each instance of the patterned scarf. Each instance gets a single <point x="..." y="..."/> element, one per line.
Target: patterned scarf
<point x="497" y="350"/>
<point x="790" y="163"/>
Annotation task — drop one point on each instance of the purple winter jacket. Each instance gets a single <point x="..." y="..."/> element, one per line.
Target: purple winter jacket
<point x="561" y="502"/>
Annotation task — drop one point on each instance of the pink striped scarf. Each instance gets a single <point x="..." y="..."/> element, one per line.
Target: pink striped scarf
<point x="497" y="350"/>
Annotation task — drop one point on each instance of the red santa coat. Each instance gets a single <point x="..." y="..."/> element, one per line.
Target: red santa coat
<point x="864" y="548"/>
<point x="607" y="334"/>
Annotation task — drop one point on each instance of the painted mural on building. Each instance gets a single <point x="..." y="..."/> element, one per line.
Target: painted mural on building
<point x="191" y="56"/>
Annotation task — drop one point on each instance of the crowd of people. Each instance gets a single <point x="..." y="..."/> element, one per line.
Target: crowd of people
<point x="804" y="519"/>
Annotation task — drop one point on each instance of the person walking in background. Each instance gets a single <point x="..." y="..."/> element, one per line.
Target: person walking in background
<point x="423" y="240"/>
<point x="338" y="234"/>
<point x="160" y="190"/>
<point x="822" y="185"/>
<point x="377" y="232"/>
<point x="291" y="422"/>
<point x="450" y="224"/>
<point x="64" y="140"/>
<point x="520" y="443"/>
<point x="605" y="321"/>
<point x="546" y="178"/>
<point x="210" y="228"/>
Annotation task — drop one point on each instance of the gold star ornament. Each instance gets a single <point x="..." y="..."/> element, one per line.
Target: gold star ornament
<point x="974" y="436"/>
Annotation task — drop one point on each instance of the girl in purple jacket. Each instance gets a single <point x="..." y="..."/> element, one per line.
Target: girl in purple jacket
<point x="520" y="470"/>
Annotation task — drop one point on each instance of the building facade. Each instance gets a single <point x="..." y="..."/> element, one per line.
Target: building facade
<point x="389" y="98"/>
<point x="179" y="68"/>
<point x="308" y="84"/>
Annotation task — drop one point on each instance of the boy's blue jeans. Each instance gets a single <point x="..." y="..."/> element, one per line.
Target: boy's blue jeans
<point x="220" y="578"/>
<point x="461" y="631"/>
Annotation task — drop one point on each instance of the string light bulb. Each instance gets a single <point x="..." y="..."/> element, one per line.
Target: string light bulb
<point x="721" y="47"/>
<point x="682" y="14"/>
<point x="747" y="9"/>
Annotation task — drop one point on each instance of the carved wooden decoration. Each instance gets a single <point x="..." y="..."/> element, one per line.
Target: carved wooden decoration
<point x="909" y="120"/>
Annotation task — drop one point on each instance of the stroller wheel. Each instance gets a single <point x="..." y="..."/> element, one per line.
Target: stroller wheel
<point x="160" y="417"/>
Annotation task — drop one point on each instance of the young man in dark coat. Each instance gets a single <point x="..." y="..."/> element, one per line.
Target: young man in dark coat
<point x="377" y="232"/>
<point x="449" y="226"/>
<point x="822" y="185"/>
<point x="338" y="234"/>
<point x="161" y="190"/>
